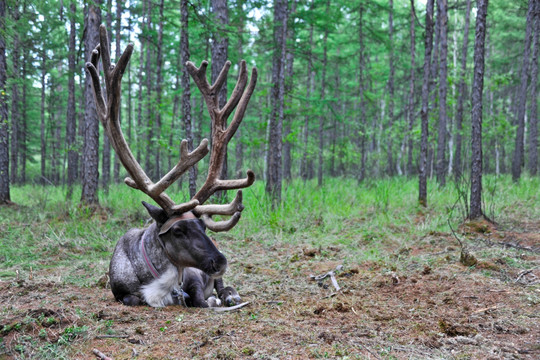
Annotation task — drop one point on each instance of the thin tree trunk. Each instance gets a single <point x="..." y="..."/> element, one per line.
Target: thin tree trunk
<point x="323" y="94"/>
<point x="462" y="89"/>
<point x="23" y="128"/>
<point x="71" y="121"/>
<point x="91" y="127"/>
<point x="239" y="146"/>
<point x="159" y="85"/>
<point x="390" y="140"/>
<point x="150" y="109"/>
<point x="106" y="160"/>
<point x="42" y="124"/>
<point x="119" y="10"/>
<point x="441" y="168"/>
<point x="422" y="176"/>
<point x="139" y="133"/>
<point x="533" y="137"/>
<point x="275" y="124"/>
<point x="518" y="157"/>
<point x="361" y="94"/>
<point x="15" y="101"/>
<point x="186" y="92"/>
<point x="304" y="168"/>
<point x="5" y="195"/>
<point x="219" y="49"/>
<point x="476" y="113"/>
<point x="289" y="70"/>
<point x="410" y="107"/>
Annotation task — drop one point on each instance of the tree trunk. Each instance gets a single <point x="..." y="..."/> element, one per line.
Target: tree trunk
<point x="323" y="94"/>
<point x="288" y="118"/>
<point x="410" y="107"/>
<point x="304" y="167"/>
<point x="239" y="146"/>
<point x="389" y="139"/>
<point x="441" y="168"/>
<point x="476" y="113"/>
<point x="220" y="46"/>
<point x="23" y="128"/>
<point x="159" y="85"/>
<point x="71" y="119"/>
<point x="186" y="92"/>
<point x="517" y="161"/>
<point x="42" y="123"/>
<point x="361" y="95"/>
<point x="149" y="165"/>
<point x="139" y="131"/>
<point x="422" y="176"/>
<point x="462" y="90"/>
<point x="533" y="137"/>
<point x="15" y="101"/>
<point x="118" y="53"/>
<point x="5" y="196"/>
<point x="91" y="125"/>
<point x="106" y="160"/>
<point x="275" y="123"/>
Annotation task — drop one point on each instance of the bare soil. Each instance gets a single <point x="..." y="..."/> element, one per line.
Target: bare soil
<point x="421" y="303"/>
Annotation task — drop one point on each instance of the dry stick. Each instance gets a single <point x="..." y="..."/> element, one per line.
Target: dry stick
<point x="525" y="272"/>
<point x="230" y="308"/>
<point x="101" y="355"/>
<point x="332" y="277"/>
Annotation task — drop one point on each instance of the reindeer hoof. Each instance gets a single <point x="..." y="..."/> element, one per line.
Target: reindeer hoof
<point x="213" y="301"/>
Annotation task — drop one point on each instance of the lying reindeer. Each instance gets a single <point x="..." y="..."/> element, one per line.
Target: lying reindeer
<point x="173" y="259"/>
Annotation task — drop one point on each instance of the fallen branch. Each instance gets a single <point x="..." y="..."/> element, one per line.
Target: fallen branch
<point x="230" y="308"/>
<point x="495" y="307"/>
<point x="525" y="272"/>
<point x="330" y="274"/>
<point x="101" y="355"/>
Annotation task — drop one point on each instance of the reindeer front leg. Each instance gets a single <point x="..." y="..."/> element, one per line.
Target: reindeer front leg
<point x="228" y="295"/>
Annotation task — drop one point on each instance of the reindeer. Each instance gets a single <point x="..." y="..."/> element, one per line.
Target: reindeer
<point x="173" y="259"/>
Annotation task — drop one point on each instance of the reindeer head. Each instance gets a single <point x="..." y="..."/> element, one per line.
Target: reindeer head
<point x="181" y="227"/>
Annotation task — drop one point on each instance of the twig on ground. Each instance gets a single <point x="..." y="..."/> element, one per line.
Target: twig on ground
<point x="111" y="336"/>
<point x="369" y="351"/>
<point x="230" y="308"/>
<point x="101" y="355"/>
<point x="494" y="307"/>
<point x="330" y="274"/>
<point x="525" y="272"/>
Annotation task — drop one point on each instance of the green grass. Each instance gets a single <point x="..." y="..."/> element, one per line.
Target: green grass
<point x="47" y="233"/>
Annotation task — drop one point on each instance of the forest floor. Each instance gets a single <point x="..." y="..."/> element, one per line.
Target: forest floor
<point x="414" y="299"/>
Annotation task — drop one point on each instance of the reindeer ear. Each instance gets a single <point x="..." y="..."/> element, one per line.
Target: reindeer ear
<point x="156" y="213"/>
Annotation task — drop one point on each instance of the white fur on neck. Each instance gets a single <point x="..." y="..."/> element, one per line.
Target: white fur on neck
<point x="158" y="293"/>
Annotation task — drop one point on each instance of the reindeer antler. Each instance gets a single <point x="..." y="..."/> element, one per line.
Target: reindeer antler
<point x="108" y="114"/>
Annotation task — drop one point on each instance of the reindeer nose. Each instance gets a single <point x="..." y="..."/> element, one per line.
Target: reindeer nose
<point x="219" y="265"/>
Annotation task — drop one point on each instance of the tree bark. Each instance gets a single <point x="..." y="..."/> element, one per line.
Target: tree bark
<point x="15" y="101"/>
<point x="410" y="105"/>
<point x="149" y="165"/>
<point x="71" y="118"/>
<point x="422" y="176"/>
<point x="159" y="86"/>
<point x="390" y="141"/>
<point x="323" y="94"/>
<point x="476" y="113"/>
<point x="239" y="146"/>
<point x="42" y="123"/>
<point x="305" y="168"/>
<point x="5" y="195"/>
<point x="462" y="90"/>
<point x="442" y="14"/>
<point x="361" y="95"/>
<point x="275" y="123"/>
<point x="517" y="160"/>
<point x="533" y="136"/>
<point x="186" y="92"/>
<point x="106" y="155"/>
<point x="289" y="70"/>
<point x="219" y="50"/>
<point x="118" y="53"/>
<point x="91" y="125"/>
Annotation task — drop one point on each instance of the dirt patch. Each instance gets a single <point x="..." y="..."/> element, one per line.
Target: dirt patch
<point x="437" y="308"/>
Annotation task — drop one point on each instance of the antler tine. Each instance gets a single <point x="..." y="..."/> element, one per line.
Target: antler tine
<point x="218" y="209"/>
<point x="109" y="118"/>
<point x="218" y="226"/>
